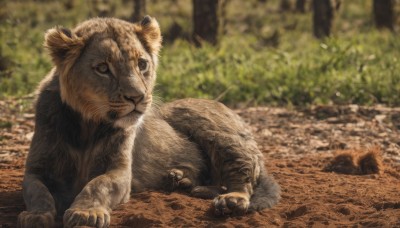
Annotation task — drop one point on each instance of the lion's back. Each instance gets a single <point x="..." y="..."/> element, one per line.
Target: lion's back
<point x="191" y="114"/>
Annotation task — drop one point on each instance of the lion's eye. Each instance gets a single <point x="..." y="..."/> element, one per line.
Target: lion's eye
<point x="102" y="68"/>
<point x="143" y="65"/>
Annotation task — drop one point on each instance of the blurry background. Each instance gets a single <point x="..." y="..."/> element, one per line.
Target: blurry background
<point x="253" y="52"/>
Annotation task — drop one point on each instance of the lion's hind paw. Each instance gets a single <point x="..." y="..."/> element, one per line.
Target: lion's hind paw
<point x="178" y="180"/>
<point x="235" y="203"/>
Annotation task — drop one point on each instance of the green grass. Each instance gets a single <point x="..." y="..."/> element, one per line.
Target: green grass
<point x="338" y="70"/>
<point x="250" y="66"/>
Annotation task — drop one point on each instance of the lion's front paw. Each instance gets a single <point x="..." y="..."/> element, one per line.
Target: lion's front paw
<point x="35" y="219"/>
<point x="235" y="203"/>
<point x="96" y="217"/>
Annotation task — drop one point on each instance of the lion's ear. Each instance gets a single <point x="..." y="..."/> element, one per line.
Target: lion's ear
<point x="64" y="46"/>
<point x="149" y="34"/>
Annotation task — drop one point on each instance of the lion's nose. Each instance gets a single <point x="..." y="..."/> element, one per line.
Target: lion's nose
<point x="134" y="99"/>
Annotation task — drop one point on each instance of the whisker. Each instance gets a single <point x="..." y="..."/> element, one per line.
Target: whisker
<point x="157" y="102"/>
<point x="94" y="109"/>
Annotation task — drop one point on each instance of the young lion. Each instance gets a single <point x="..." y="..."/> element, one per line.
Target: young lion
<point x="97" y="138"/>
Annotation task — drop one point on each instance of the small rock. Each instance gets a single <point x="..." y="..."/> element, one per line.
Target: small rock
<point x="380" y="118"/>
<point x="29" y="136"/>
<point x="266" y="133"/>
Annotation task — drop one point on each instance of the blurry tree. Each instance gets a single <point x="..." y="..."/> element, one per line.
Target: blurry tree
<point x="383" y="13"/>
<point x="69" y="4"/>
<point x="205" y="20"/>
<point x="6" y="65"/>
<point x="139" y="10"/>
<point x="285" y="5"/>
<point x="323" y="16"/>
<point x="301" y="6"/>
<point x="102" y="8"/>
<point x="174" y="32"/>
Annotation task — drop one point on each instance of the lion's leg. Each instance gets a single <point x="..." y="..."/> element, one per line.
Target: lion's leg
<point x="92" y="206"/>
<point x="237" y="176"/>
<point x="228" y="145"/>
<point x="207" y="192"/>
<point x="39" y="202"/>
<point x="233" y="175"/>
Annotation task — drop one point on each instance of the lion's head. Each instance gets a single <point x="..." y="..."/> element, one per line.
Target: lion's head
<point x="106" y="67"/>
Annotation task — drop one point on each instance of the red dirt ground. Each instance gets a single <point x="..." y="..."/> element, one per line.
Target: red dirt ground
<point x="298" y="145"/>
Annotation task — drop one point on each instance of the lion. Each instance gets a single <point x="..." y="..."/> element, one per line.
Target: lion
<point x="98" y="135"/>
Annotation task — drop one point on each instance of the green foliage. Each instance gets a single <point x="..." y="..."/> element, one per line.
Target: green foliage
<point x="265" y="57"/>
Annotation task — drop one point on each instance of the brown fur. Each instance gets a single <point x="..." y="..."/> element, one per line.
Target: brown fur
<point x="97" y="138"/>
<point x="371" y="161"/>
<point x="344" y="162"/>
<point x="357" y="162"/>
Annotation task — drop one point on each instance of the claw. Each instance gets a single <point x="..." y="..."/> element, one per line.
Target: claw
<point x="98" y="217"/>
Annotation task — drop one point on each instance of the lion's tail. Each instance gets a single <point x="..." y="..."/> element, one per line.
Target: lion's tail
<point x="266" y="194"/>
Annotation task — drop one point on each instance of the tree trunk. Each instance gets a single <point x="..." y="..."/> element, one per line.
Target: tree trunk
<point x="205" y="20"/>
<point x="285" y="5"/>
<point x="383" y="13"/>
<point x="301" y="6"/>
<point x="323" y="15"/>
<point x="139" y="10"/>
